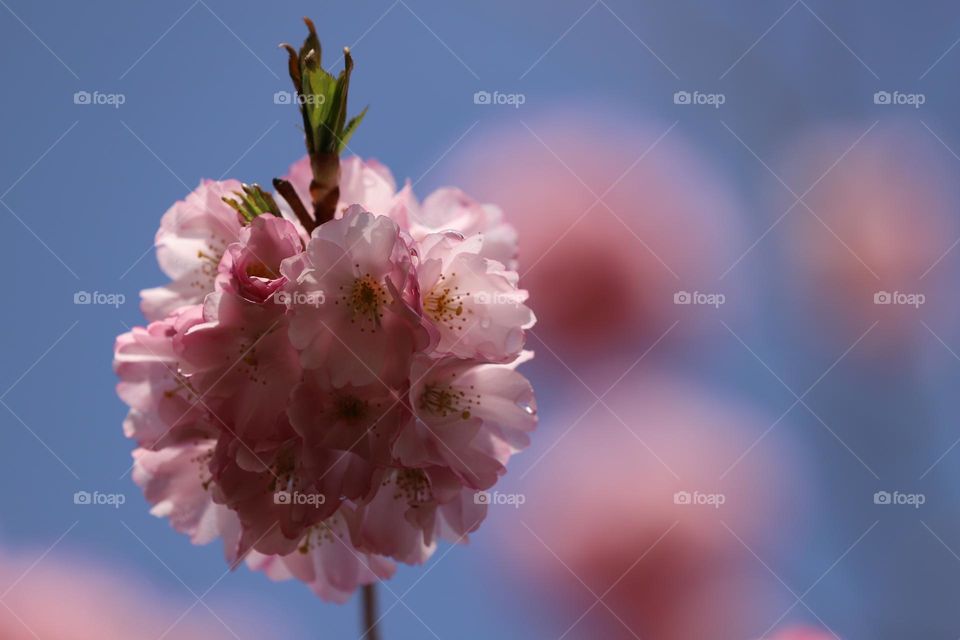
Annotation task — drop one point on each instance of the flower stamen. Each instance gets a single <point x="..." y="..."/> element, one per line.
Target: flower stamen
<point x="444" y="401"/>
<point x="444" y="305"/>
<point x="366" y="300"/>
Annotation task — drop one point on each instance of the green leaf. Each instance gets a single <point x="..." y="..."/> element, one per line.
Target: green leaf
<point x="351" y="127"/>
<point x="322" y="99"/>
<point x="321" y="96"/>
<point x="253" y="201"/>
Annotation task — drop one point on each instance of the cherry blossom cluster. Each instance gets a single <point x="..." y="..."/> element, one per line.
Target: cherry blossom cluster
<point x="329" y="403"/>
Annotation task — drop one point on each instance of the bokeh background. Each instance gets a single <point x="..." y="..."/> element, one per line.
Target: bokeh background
<point x="800" y="192"/>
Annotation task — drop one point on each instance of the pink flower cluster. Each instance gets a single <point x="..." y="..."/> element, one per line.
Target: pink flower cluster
<point x="329" y="404"/>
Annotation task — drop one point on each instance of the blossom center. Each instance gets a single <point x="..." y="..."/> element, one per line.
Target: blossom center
<point x="324" y="531"/>
<point x="444" y="401"/>
<point x="260" y="270"/>
<point x="209" y="257"/>
<point x="284" y="467"/>
<point x="203" y="468"/>
<point x="350" y="409"/>
<point x="444" y="305"/>
<point x="414" y="486"/>
<point x="365" y="300"/>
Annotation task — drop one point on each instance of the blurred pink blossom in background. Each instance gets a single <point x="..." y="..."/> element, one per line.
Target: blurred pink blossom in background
<point x="616" y="215"/>
<point x="614" y="507"/>
<point x="59" y="597"/>
<point x="803" y="633"/>
<point x="881" y="222"/>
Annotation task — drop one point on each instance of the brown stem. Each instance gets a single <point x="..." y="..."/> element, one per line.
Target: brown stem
<point x="286" y="190"/>
<point x="325" y="186"/>
<point x="370" y="631"/>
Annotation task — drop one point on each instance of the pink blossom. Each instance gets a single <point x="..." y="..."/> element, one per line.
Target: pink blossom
<point x="450" y="209"/>
<point x="415" y="507"/>
<point x="176" y="480"/>
<point x="361" y="421"/>
<point x="329" y="405"/>
<point x="472" y="301"/>
<point x="164" y="408"/>
<point x="194" y="234"/>
<point x="354" y="300"/>
<point x="251" y="267"/>
<point x="470" y="417"/>
<point x="326" y="561"/>
<point x="241" y="362"/>
<point x="370" y="184"/>
<point x="259" y="481"/>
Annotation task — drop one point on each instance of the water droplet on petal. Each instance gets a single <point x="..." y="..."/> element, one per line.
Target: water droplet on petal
<point x="527" y="406"/>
